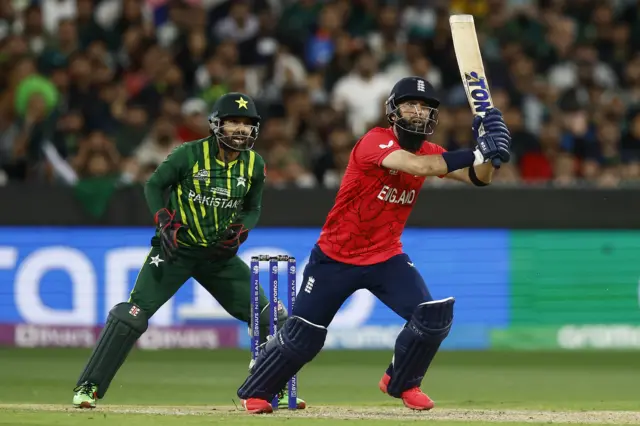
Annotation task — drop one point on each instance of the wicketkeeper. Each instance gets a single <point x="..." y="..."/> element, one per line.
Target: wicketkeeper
<point x="215" y="193"/>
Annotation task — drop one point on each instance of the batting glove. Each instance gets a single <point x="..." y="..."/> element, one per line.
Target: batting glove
<point x="495" y="142"/>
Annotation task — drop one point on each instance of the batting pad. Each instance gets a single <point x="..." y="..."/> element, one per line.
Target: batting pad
<point x="418" y="342"/>
<point x="125" y="324"/>
<point x="294" y="345"/>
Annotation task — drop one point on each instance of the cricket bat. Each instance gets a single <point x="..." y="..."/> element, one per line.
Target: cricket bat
<point x="474" y="80"/>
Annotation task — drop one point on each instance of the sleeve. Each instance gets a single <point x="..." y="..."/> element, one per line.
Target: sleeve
<point x="373" y="148"/>
<point x="166" y="174"/>
<point x="433" y="149"/>
<point x="253" y="200"/>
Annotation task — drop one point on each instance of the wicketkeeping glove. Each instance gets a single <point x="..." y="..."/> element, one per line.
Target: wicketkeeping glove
<point x="168" y="229"/>
<point x="495" y="143"/>
<point x="230" y="241"/>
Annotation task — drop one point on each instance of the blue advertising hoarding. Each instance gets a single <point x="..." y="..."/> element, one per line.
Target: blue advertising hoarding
<point x="73" y="276"/>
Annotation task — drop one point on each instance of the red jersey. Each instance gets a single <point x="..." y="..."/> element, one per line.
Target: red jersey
<point x="373" y="204"/>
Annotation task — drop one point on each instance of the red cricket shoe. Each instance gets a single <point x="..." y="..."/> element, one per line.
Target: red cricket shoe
<point x="412" y="398"/>
<point x="257" y="406"/>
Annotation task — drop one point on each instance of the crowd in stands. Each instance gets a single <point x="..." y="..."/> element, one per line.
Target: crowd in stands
<point x="105" y="89"/>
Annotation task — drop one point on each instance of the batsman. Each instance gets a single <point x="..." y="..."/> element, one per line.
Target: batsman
<point x="215" y="193"/>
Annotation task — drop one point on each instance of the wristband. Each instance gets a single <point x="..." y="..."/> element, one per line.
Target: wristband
<point x="459" y="159"/>
<point x="474" y="178"/>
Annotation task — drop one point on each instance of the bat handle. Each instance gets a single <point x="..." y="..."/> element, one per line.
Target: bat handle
<point x="496" y="161"/>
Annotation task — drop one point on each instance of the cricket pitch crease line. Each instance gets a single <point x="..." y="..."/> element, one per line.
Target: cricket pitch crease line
<point x="344" y="412"/>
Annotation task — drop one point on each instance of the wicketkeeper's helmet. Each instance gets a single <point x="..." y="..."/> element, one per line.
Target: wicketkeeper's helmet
<point x="235" y="105"/>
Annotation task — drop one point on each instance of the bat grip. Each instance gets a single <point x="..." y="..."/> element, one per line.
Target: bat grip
<point x="496" y="163"/>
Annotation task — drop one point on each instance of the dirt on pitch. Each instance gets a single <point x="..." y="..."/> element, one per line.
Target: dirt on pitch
<point x="388" y="413"/>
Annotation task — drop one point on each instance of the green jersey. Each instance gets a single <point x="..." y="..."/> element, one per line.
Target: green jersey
<point x="206" y="195"/>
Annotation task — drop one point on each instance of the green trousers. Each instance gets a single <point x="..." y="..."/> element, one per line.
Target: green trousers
<point x="228" y="281"/>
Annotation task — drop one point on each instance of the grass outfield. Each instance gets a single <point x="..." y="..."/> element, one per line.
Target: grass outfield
<point x="198" y="388"/>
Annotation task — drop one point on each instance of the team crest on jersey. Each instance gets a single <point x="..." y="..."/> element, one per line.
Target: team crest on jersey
<point x="201" y="174"/>
<point x="242" y="181"/>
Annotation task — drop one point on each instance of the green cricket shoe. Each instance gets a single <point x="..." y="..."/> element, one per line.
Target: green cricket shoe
<point x="85" y="396"/>
<point x="283" y="401"/>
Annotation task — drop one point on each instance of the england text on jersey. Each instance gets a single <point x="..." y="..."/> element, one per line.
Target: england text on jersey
<point x="373" y="204"/>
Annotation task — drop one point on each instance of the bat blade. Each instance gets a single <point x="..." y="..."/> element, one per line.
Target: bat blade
<point x="469" y="58"/>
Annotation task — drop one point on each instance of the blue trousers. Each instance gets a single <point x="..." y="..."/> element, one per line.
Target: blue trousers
<point x="327" y="284"/>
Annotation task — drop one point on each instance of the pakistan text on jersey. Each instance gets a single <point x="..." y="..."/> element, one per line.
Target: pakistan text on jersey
<point x="390" y="195"/>
<point x="214" y="201"/>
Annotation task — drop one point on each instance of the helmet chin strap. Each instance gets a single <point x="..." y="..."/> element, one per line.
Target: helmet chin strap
<point x="225" y="154"/>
